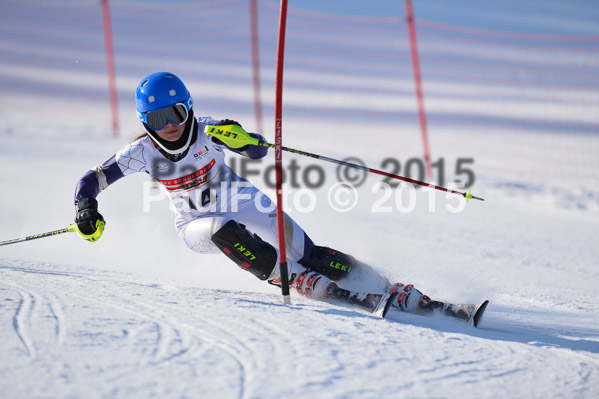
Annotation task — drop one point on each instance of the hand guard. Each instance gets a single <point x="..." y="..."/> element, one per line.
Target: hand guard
<point x="231" y="134"/>
<point x="228" y="122"/>
<point x="90" y="224"/>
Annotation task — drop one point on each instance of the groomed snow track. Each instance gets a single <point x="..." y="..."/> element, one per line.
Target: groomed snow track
<point x="80" y="332"/>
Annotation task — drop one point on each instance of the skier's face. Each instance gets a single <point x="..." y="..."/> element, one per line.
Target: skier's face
<point x="171" y="132"/>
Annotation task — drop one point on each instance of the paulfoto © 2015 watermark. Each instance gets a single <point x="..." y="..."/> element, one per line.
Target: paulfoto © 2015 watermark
<point x="314" y="176"/>
<point x="303" y="183"/>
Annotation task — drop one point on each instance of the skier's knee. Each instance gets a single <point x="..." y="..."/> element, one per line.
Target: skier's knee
<point x="247" y="250"/>
<point x="331" y="263"/>
<point x="197" y="235"/>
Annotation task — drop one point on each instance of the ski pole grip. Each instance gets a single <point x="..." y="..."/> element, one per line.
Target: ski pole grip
<point x="233" y="136"/>
<point x="95" y="236"/>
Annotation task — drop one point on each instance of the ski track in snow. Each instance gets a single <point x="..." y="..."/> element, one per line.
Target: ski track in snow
<point x="86" y="332"/>
<point x="25" y="309"/>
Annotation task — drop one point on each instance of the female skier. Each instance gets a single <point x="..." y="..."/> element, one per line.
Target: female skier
<point x="217" y="211"/>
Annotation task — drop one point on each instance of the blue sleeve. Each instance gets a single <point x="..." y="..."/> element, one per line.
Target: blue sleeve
<point x="89" y="186"/>
<point x="254" y="151"/>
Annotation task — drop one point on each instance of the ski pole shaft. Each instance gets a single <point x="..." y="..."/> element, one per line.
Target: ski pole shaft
<point x="235" y="137"/>
<point x="69" y="229"/>
<point x="467" y="195"/>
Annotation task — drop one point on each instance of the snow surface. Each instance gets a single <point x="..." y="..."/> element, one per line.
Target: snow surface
<point x="138" y="315"/>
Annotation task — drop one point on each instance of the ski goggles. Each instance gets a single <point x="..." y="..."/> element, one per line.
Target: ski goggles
<point x="158" y="119"/>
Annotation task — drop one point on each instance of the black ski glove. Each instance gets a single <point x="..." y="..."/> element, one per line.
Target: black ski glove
<point x="87" y="215"/>
<point x="228" y="122"/>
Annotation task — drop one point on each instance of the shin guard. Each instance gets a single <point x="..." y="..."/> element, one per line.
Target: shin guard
<point x="247" y="250"/>
<point x="331" y="263"/>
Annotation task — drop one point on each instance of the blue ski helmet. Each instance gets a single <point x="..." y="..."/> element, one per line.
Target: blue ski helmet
<point x="160" y="91"/>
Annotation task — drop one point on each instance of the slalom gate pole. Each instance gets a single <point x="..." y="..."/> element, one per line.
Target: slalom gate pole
<point x="110" y="67"/>
<point x="71" y="228"/>
<point x="418" y="85"/>
<point x="467" y="195"/>
<point x="279" y="154"/>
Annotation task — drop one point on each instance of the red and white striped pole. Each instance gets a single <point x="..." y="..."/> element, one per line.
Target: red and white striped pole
<point x="279" y="153"/>
<point x="110" y="66"/>
<point x="418" y="82"/>
<point x="256" y="63"/>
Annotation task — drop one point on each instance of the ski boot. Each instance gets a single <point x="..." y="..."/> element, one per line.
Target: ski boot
<point x="409" y="299"/>
<point x="314" y="285"/>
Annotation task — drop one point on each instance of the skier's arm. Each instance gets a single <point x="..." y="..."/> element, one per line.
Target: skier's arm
<point x="250" y="151"/>
<point x="97" y="179"/>
<point x="90" y="223"/>
<point x="253" y="151"/>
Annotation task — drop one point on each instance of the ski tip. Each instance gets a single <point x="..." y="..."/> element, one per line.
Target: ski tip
<point x="392" y="297"/>
<point x="479" y="313"/>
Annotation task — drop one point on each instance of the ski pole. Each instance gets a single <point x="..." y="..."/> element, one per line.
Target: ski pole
<point x="69" y="229"/>
<point x="237" y="138"/>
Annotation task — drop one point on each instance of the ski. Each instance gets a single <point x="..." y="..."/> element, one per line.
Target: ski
<point x="385" y="304"/>
<point x="370" y="302"/>
<point x="469" y="313"/>
<point x="478" y="315"/>
<point x="377" y="304"/>
<point x="381" y="304"/>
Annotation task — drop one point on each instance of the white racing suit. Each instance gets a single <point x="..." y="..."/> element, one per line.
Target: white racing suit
<point x="203" y="190"/>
